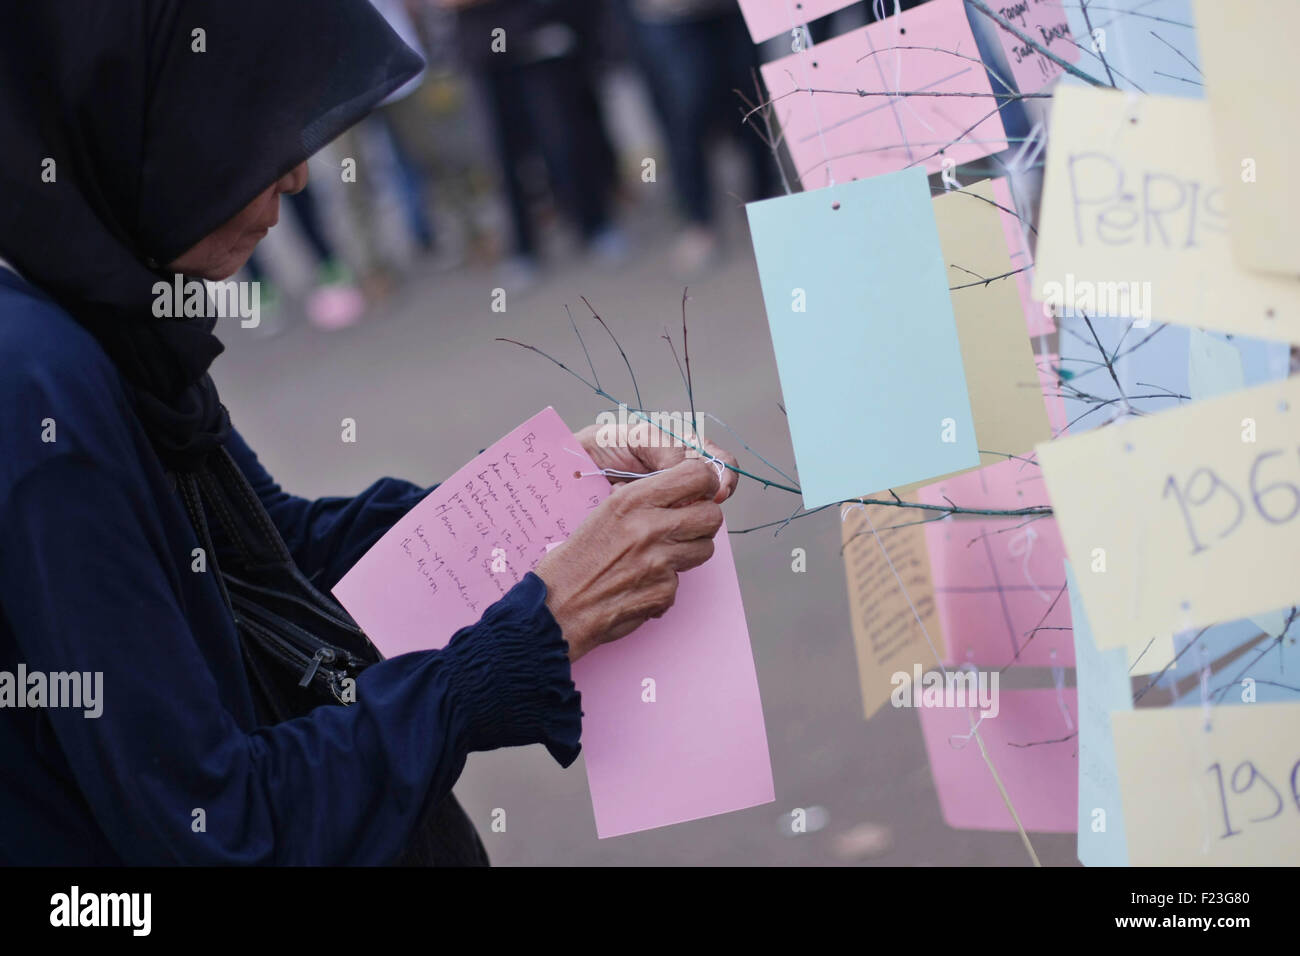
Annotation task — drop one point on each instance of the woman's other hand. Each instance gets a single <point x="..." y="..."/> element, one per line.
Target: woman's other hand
<point x="619" y="568"/>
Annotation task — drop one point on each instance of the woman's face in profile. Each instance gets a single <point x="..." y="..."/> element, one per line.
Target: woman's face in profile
<point x="223" y="252"/>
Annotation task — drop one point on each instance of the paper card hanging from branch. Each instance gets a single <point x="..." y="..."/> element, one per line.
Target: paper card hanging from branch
<point x="1031" y="742"/>
<point x="866" y="344"/>
<point x="1003" y="381"/>
<point x="1046" y="22"/>
<point x="1008" y="486"/>
<point x="860" y="126"/>
<point x="1185" y="518"/>
<point x="1222" y="797"/>
<point x="999" y="584"/>
<point x="1134" y="220"/>
<point x="697" y="745"/>
<point x="1261" y="667"/>
<point x="886" y="633"/>
<point x="1003" y="377"/>
<point x="1249" y="60"/>
<point x="1158" y="368"/>
<point x="1148" y="46"/>
<point x="769" y="18"/>
<point x="1103" y="686"/>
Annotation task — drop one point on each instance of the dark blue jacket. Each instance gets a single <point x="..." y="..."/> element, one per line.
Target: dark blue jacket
<point x="96" y="576"/>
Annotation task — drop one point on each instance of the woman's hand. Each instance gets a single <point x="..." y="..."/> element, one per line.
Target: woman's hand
<point x="642" y="447"/>
<point x="619" y="568"/>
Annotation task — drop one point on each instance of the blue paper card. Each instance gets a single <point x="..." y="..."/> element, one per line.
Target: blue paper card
<point x="1268" y="672"/>
<point x="1149" y="45"/>
<point x="856" y="291"/>
<point x="1160" y="367"/>
<point x="1103" y="684"/>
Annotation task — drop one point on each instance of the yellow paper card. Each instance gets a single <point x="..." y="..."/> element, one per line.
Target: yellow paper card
<point x="1135" y="222"/>
<point x="1185" y="518"/>
<point x="886" y="634"/>
<point x="1006" y="397"/>
<point x="1223" y="797"/>
<point x="1254" y="100"/>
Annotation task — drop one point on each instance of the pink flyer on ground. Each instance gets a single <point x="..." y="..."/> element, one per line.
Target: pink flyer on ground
<point x="673" y="727"/>
<point x="1033" y="744"/>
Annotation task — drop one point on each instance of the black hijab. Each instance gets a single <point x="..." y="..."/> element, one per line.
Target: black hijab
<point x="154" y="145"/>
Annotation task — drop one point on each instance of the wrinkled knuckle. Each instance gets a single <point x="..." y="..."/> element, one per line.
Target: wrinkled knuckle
<point x="660" y="565"/>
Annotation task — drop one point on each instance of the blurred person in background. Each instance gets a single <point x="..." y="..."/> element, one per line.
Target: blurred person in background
<point x="426" y="152"/>
<point x="533" y="59"/>
<point x="695" y="55"/>
<point x="390" y="141"/>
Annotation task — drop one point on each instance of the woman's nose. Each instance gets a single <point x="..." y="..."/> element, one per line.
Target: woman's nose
<point x="295" y="180"/>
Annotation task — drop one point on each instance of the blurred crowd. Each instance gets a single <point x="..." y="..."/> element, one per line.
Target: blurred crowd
<point x="505" y="143"/>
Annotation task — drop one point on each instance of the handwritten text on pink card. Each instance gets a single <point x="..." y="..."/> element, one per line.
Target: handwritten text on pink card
<point x="697" y="745"/>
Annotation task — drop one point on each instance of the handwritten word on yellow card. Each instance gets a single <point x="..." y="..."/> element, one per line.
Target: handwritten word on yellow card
<point x="1226" y="796"/>
<point x="886" y="634"/>
<point x="1135" y="222"/>
<point x="1184" y="518"/>
<point x="1247" y="54"/>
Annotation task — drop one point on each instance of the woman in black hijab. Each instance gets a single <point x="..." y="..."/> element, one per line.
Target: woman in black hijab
<point x="149" y="562"/>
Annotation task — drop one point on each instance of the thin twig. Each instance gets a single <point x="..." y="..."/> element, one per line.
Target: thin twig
<point x="597" y="317"/>
<point x="1023" y="37"/>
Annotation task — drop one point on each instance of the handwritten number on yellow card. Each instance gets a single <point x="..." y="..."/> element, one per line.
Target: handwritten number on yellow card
<point x="1271" y="507"/>
<point x="1240" y="787"/>
<point x="1185" y="497"/>
<point x="1258" y="493"/>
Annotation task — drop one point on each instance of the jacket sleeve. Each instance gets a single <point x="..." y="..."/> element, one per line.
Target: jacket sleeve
<point x="328" y="535"/>
<point x="87" y="584"/>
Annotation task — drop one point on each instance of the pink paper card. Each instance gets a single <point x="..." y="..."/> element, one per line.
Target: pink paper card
<point x="1036" y="317"/>
<point x="697" y="749"/>
<point x="769" y="18"/>
<point x="1032" y="743"/>
<point x="1006" y="486"/>
<point x="1046" y="22"/>
<point x="859" y="126"/>
<point x="690" y="743"/>
<point x="472" y="539"/>
<point x="999" y="585"/>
